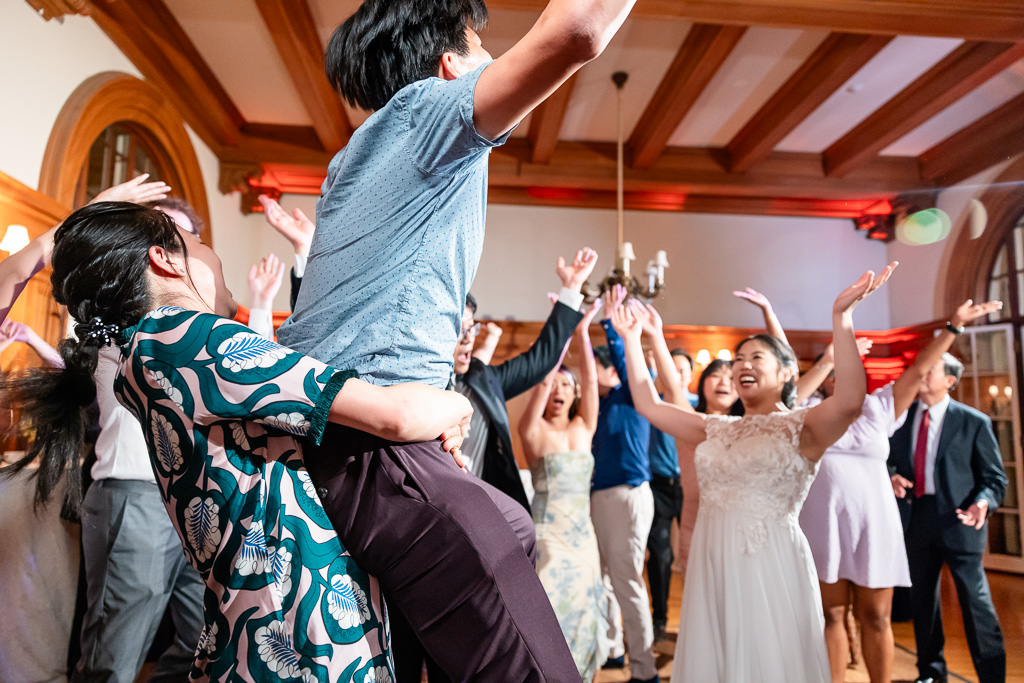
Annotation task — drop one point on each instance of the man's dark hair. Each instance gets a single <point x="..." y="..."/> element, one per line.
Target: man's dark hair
<point x="952" y="367"/>
<point x="682" y="352"/>
<point x="178" y="204"/>
<point x="388" y="44"/>
<point x="471" y="302"/>
<point x="603" y="355"/>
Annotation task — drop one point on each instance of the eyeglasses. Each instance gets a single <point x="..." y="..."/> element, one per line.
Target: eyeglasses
<point x="470" y="332"/>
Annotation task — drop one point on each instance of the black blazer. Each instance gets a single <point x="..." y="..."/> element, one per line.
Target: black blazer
<point x="495" y="384"/>
<point x="968" y="468"/>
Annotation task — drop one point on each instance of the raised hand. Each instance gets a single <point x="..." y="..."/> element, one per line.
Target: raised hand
<point x="864" y="345"/>
<point x="861" y="289"/>
<point x="135" y="190"/>
<point x="296" y="228"/>
<point x="591" y="313"/>
<point x="650" y="319"/>
<point x="969" y="312"/>
<point x="265" y="281"/>
<point x="613" y="299"/>
<point x="626" y="323"/>
<point x="974" y="516"/>
<point x="755" y="297"/>
<point x="576" y="273"/>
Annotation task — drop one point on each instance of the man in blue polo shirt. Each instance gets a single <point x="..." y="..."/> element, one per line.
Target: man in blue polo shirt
<point x="621" y="503"/>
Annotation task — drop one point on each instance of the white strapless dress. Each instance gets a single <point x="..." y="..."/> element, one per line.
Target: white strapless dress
<point x="751" y="609"/>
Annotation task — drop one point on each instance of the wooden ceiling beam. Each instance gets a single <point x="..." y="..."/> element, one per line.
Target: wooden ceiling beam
<point x="294" y="31"/>
<point x="546" y="122"/>
<point x="590" y="167"/>
<point x="995" y="137"/>
<point x="833" y="63"/>
<point x="690" y="203"/>
<point x="960" y="72"/>
<point x="149" y="35"/>
<point x="996" y="20"/>
<point x="702" y="53"/>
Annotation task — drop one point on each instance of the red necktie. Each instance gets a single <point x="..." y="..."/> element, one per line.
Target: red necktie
<point x="920" y="455"/>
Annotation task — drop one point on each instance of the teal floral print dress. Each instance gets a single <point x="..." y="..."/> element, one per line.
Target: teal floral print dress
<point x="224" y="412"/>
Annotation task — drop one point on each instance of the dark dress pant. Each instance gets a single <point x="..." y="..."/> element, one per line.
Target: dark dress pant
<point x="444" y="554"/>
<point x="927" y="553"/>
<point x="668" y="505"/>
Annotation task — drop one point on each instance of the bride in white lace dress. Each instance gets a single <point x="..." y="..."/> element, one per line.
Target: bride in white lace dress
<point x="751" y="608"/>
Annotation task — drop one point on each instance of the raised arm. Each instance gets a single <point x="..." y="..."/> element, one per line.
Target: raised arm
<point x="817" y="373"/>
<point x="11" y="331"/>
<point x="18" y="268"/>
<point x="568" y="34"/>
<point x="671" y="380"/>
<point x="484" y="351"/>
<point x="264" y="282"/>
<point x="671" y="419"/>
<point x="529" y="423"/>
<point x="904" y="390"/>
<point x="830" y="419"/>
<point x="589" y="398"/>
<point x="771" y="321"/>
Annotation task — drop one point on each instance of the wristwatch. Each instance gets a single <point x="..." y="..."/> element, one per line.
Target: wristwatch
<point x="954" y="329"/>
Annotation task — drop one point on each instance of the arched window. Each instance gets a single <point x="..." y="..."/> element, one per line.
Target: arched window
<point x="121" y="152"/>
<point x="1006" y="276"/>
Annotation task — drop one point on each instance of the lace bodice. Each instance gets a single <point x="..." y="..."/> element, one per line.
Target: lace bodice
<point x="750" y="467"/>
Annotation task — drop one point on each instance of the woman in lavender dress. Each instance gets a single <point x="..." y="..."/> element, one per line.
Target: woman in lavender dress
<point x="851" y="520"/>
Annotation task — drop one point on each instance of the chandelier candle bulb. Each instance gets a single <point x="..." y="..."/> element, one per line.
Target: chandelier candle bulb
<point x="703" y="357"/>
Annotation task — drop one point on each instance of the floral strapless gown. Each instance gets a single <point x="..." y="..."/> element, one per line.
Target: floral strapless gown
<point x="567" y="558"/>
<point x="751" y="609"/>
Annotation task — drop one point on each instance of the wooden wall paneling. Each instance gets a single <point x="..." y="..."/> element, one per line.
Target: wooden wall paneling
<point x="995" y="137"/>
<point x="546" y="122"/>
<point x="960" y="72"/>
<point x="833" y="63"/>
<point x="107" y="98"/>
<point x="149" y="35"/>
<point x="999" y="20"/>
<point x="294" y="31"/>
<point x="702" y="53"/>
<point x="21" y="205"/>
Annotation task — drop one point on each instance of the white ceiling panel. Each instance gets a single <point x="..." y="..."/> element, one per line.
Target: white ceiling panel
<point x="894" y="68"/>
<point x="990" y="95"/>
<point x="643" y="48"/>
<point x="235" y="43"/>
<point x="756" y="69"/>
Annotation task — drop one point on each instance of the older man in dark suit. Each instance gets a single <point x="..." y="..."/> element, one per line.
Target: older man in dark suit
<point x="948" y="474"/>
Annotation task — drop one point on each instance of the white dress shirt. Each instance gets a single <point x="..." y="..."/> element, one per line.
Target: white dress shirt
<point x="936" y="414"/>
<point x="121" y="451"/>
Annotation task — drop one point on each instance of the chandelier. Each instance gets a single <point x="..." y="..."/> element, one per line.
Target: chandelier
<point x="654" y="281"/>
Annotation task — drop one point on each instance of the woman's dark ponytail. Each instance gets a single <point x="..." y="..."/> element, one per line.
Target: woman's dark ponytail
<point x="100" y="259"/>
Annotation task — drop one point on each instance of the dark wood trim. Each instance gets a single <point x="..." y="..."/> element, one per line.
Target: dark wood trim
<point x="699" y="58"/>
<point x="294" y="31"/>
<point x="546" y="122"/>
<point x="970" y="259"/>
<point x="108" y="98"/>
<point x="671" y="201"/>
<point x="149" y="35"/>
<point x="833" y="63"/>
<point x="994" y="138"/>
<point x="960" y="72"/>
<point x="1000" y="20"/>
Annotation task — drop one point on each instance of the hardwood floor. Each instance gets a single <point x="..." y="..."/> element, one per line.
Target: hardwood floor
<point x="1007" y="593"/>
